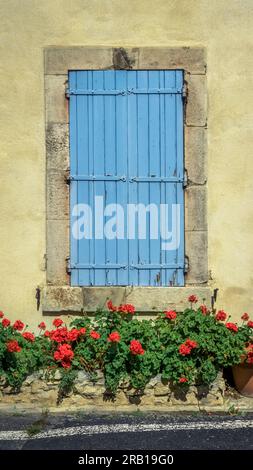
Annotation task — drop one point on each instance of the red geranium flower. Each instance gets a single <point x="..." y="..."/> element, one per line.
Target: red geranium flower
<point x="94" y="335"/>
<point x="29" y="336"/>
<point x="42" y="325"/>
<point x="126" y="308"/>
<point x="184" y="350"/>
<point x="183" y="380"/>
<point x="193" y="299"/>
<point x="1" y="314"/>
<point x="221" y="315"/>
<point x="73" y="335"/>
<point x="204" y="309"/>
<point x="6" y="322"/>
<point x="111" y="307"/>
<point x="232" y="327"/>
<point x="64" y="354"/>
<point x="250" y="324"/>
<point x="82" y="331"/>
<point x="18" y="325"/>
<point x="171" y="314"/>
<point x="66" y="364"/>
<point x="114" y="337"/>
<point x="47" y="334"/>
<point x="12" y="346"/>
<point x="60" y="335"/>
<point x="245" y="317"/>
<point x="57" y="322"/>
<point x="136" y="348"/>
<point x="191" y="343"/>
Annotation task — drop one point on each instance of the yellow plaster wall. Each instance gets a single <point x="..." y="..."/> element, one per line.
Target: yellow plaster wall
<point x="224" y="27"/>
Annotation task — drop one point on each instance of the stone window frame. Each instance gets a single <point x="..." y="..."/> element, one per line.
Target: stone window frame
<point x="58" y="295"/>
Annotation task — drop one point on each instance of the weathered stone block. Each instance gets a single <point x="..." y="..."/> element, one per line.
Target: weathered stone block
<point x="144" y="400"/>
<point x="58" y="60"/>
<point x="31" y="378"/>
<point x="162" y="400"/>
<point x="82" y="378"/>
<point x="152" y="383"/>
<point x="62" y="299"/>
<point x="39" y="386"/>
<point x="145" y="299"/>
<point x="7" y="390"/>
<point x="196" y="154"/>
<point x="196" y="109"/>
<point x="125" y="58"/>
<point x="75" y="401"/>
<point x="196" y="208"/>
<point x="90" y="391"/>
<point x="56" y="375"/>
<point x="47" y="398"/>
<point x="183" y="395"/>
<point x="57" y="251"/>
<point x="98" y="296"/>
<point x="211" y="401"/>
<point x="57" y="195"/>
<point x="161" y="389"/>
<point x="99" y="379"/>
<point x="196" y="249"/>
<point x="56" y="101"/>
<point x="57" y="146"/>
<point x="121" y="399"/>
<point x="192" y="59"/>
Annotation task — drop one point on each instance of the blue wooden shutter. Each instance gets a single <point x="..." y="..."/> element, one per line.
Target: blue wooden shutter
<point x="126" y="145"/>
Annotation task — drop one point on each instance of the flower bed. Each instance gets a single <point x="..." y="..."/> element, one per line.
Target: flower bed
<point x="185" y="350"/>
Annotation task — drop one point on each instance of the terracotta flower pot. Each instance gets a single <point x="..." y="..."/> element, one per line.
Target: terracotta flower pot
<point x="243" y="378"/>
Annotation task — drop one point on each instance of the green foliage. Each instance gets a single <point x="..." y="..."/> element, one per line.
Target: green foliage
<point x="214" y="347"/>
<point x="68" y="377"/>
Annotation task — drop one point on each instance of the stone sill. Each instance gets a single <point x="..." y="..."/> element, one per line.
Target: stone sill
<point x="39" y="392"/>
<point x="80" y="300"/>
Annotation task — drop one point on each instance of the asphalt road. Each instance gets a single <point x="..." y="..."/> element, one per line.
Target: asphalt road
<point x="139" y="431"/>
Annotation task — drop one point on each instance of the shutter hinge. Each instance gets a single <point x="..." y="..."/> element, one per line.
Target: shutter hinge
<point x="67" y="94"/>
<point x="67" y="177"/>
<point x="186" y="264"/>
<point x="185" y="91"/>
<point x="68" y="269"/>
<point x="186" y="180"/>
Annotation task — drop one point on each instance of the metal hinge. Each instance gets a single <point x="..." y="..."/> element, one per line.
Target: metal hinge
<point x="67" y="177"/>
<point x="186" y="180"/>
<point x="67" y="90"/>
<point x="186" y="264"/>
<point x="185" y="91"/>
<point x="68" y="268"/>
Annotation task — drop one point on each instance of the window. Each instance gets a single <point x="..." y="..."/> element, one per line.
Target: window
<point x="70" y="288"/>
<point x="126" y="178"/>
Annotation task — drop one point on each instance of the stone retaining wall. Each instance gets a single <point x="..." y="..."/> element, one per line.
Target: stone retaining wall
<point x="40" y="392"/>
